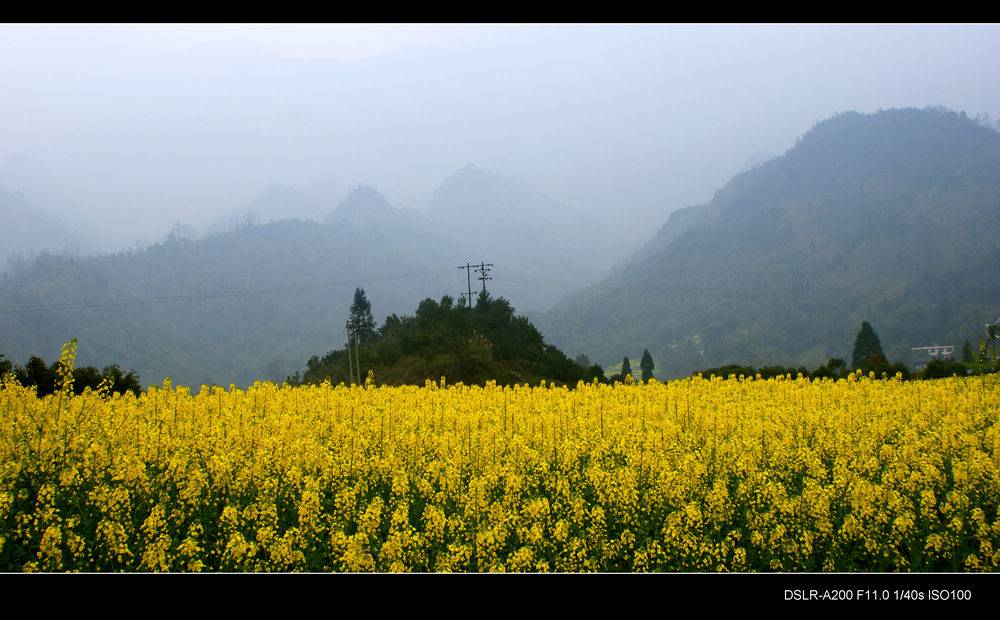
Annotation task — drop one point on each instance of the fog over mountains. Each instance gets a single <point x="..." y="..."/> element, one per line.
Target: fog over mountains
<point x="123" y="130"/>
<point x="27" y="229"/>
<point x="201" y="200"/>
<point x="890" y="217"/>
<point x="256" y="294"/>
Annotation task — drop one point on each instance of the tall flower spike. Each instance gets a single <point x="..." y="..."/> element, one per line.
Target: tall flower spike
<point x="67" y="361"/>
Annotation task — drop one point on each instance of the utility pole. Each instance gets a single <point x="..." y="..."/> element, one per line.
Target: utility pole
<point x="352" y="328"/>
<point x="468" y="273"/>
<point x="357" y="354"/>
<point x="483" y="268"/>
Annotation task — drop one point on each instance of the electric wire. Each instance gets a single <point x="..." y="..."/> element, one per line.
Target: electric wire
<point x="205" y="296"/>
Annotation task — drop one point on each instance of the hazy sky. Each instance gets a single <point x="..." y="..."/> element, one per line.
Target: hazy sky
<point x="125" y="129"/>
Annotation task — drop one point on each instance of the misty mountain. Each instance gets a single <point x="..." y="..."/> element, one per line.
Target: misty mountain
<point x="28" y="230"/>
<point x="891" y="217"/>
<point x="251" y="298"/>
<point x="230" y="307"/>
<point x="505" y="217"/>
<point x="366" y="209"/>
<point x="278" y="202"/>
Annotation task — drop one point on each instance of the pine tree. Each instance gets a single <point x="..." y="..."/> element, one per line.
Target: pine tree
<point x="626" y="367"/>
<point x="361" y="316"/>
<point x="866" y="344"/>
<point x="646" y="364"/>
<point x="967" y="357"/>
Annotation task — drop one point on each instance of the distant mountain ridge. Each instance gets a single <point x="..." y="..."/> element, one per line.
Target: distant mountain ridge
<point x="251" y="294"/>
<point x="244" y="298"/>
<point x="893" y="217"/>
<point x="890" y="217"/>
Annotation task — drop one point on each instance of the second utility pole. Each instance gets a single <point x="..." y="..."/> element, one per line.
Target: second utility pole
<point x="483" y="268"/>
<point x="352" y="328"/>
<point x="468" y="273"/>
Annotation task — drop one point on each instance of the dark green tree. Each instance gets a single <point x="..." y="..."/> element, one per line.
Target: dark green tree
<point x="866" y="345"/>
<point x="391" y="326"/>
<point x="626" y="368"/>
<point x="835" y="368"/>
<point x="38" y="374"/>
<point x="119" y="381"/>
<point x="595" y="372"/>
<point x="122" y="381"/>
<point x="483" y="300"/>
<point x="967" y="357"/>
<point x="45" y="378"/>
<point x="361" y="316"/>
<point x="646" y="364"/>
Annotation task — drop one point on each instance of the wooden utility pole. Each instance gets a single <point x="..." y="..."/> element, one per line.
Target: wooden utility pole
<point x="357" y="354"/>
<point x="483" y="268"/>
<point x="468" y="273"/>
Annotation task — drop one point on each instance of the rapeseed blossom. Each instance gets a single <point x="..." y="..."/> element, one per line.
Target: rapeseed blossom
<point x="738" y="474"/>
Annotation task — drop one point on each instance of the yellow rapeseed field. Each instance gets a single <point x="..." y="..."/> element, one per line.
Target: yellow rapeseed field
<point x="788" y="474"/>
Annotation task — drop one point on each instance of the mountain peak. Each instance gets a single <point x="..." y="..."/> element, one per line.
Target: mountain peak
<point x="471" y="168"/>
<point x="364" y="193"/>
<point x="470" y="176"/>
<point x="888" y="216"/>
<point x="361" y="203"/>
<point x="486" y="193"/>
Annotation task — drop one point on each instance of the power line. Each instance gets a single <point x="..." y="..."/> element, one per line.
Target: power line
<point x="204" y="296"/>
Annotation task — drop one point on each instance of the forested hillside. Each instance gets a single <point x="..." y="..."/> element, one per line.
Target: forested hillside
<point x="891" y="217"/>
<point x="232" y="307"/>
<point x="253" y="301"/>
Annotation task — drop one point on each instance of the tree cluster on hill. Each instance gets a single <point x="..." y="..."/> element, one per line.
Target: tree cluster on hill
<point x="465" y="344"/>
<point x="646" y="366"/>
<point x="45" y="378"/>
